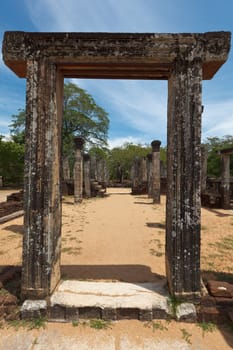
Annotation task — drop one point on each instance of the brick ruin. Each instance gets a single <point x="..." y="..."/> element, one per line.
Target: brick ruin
<point x="45" y="59"/>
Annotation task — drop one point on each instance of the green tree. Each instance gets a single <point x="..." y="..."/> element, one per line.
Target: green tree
<point x="11" y="162"/>
<point x="17" y="128"/>
<point x="213" y="145"/>
<point x="81" y="117"/>
<point x="120" y="159"/>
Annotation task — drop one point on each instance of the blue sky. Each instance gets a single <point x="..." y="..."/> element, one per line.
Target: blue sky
<point x="137" y="109"/>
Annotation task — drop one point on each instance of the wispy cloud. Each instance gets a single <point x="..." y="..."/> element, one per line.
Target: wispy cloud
<point x="119" y="141"/>
<point x="95" y="15"/>
<point x="140" y="105"/>
<point x="218" y="118"/>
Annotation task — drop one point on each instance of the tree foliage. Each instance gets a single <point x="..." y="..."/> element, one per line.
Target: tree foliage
<point x="120" y="159"/>
<point x="213" y="145"/>
<point x="81" y="117"/>
<point x="11" y="162"/>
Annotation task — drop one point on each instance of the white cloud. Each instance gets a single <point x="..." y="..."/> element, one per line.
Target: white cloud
<point x="138" y="105"/>
<point x="119" y="141"/>
<point x="218" y="118"/>
<point x="95" y="15"/>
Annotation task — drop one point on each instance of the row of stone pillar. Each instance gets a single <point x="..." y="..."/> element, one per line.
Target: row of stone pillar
<point x="87" y="170"/>
<point x="146" y="173"/>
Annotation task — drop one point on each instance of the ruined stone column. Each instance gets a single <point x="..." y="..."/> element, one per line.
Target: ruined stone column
<point x="42" y="201"/>
<point x="184" y="178"/>
<point x="93" y="168"/>
<point x="144" y="170"/>
<point x="204" y="156"/>
<point x="156" y="170"/>
<point x="135" y="171"/>
<point x="66" y="168"/>
<point x="78" y="170"/>
<point x="225" y="181"/>
<point x="87" y="175"/>
<point x="149" y="175"/>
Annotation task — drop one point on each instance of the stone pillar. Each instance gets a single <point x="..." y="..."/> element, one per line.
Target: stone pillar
<point x="144" y="170"/>
<point x="135" y="171"/>
<point x="204" y="155"/>
<point x="42" y="201"/>
<point x="66" y="168"/>
<point x="87" y="175"/>
<point x="225" y="181"/>
<point x="93" y="168"/>
<point x="156" y="170"/>
<point x="183" y="193"/>
<point x="149" y="175"/>
<point x="78" y="170"/>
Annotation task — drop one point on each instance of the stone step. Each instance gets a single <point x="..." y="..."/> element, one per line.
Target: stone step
<point x="73" y="300"/>
<point x="76" y="300"/>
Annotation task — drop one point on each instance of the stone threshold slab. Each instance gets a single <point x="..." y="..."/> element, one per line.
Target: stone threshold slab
<point x="75" y="300"/>
<point x="72" y="293"/>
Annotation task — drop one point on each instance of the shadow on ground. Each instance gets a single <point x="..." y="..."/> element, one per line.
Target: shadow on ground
<point x="218" y="213"/>
<point x="123" y="273"/>
<point x="156" y="225"/>
<point x="15" y="228"/>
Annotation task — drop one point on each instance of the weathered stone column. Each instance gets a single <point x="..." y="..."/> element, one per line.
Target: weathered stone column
<point x="42" y="201"/>
<point x="204" y="155"/>
<point x="144" y="170"/>
<point x="78" y="170"/>
<point x="149" y="175"/>
<point x="87" y="175"/>
<point x="66" y="168"/>
<point x="93" y="168"/>
<point x="135" y="171"/>
<point x="156" y="170"/>
<point x="183" y="193"/>
<point x="225" y="181"/>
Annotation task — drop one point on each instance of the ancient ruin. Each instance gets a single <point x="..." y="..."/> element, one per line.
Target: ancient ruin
<point x="45" y="59"/>
<point x="217" y="192"/>
<point x="225" y="178"/>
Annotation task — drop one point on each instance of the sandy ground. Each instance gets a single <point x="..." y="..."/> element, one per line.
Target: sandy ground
<point x="121" y="237"/>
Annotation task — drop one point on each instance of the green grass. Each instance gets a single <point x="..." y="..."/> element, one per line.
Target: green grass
<point x="71" y="250"/>
<point x="93" y="323"/>
<point x="36" y="323"/>
<point x="155" y="326"/>
<point x="174" y="302"/>
<point x="75" y="323"/>
<point x="99" y="324"/>
<point x="207" y="327"/>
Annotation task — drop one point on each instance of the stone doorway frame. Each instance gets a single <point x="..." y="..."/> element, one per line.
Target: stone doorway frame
<point x="45" y="59"/>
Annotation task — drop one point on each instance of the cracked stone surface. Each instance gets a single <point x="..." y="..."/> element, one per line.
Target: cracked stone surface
<point x="111" y="294"/>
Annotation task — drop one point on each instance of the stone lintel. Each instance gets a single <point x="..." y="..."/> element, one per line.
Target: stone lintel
<point x="133" y="56"/>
